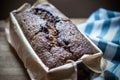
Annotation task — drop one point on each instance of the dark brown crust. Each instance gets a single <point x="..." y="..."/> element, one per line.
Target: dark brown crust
<point x="54" y="38"/>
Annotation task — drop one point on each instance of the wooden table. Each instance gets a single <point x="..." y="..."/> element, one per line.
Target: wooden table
<point x="11" y="67"/>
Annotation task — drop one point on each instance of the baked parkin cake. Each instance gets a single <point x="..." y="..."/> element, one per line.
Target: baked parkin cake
<point x="54" y="38"/>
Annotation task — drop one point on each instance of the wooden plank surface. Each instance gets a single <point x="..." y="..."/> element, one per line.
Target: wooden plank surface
<point x="11" y="67"/>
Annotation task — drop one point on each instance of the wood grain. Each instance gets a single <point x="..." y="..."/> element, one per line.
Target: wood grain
<point x="11" y="67"/>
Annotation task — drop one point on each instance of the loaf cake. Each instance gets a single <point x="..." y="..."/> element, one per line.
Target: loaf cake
<point x="54" y="38"/>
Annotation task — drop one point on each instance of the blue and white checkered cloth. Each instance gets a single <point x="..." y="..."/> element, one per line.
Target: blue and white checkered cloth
<point x="103" y="28"/>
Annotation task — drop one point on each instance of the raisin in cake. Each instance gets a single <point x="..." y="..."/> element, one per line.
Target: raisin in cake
<point x="54" y="38"/>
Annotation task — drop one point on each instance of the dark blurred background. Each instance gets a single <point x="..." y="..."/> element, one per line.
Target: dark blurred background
<point x="71" y="8"/>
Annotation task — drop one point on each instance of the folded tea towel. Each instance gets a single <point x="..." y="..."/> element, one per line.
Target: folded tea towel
<point x="103" y="28"/>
